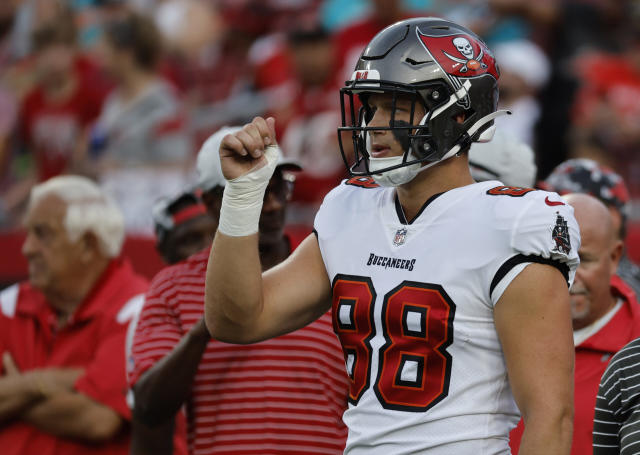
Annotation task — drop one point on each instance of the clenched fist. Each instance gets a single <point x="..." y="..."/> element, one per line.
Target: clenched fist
<point x="243" y="151"/>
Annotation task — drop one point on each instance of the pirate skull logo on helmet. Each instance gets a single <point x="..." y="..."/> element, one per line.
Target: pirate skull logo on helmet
<point x="464" y="46"/>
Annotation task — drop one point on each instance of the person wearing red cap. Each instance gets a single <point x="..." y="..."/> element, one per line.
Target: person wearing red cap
<point x="62" y="334"/>
<point x="280" y="396"/>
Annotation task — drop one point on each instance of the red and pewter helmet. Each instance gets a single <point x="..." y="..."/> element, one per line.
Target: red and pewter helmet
<point x="437" y="63"/>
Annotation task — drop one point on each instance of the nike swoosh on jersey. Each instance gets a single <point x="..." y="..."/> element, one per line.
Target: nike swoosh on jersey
<point x="552" y="203"/>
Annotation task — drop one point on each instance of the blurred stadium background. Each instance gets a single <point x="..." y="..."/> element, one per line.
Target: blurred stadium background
<point x="127" y="91"/>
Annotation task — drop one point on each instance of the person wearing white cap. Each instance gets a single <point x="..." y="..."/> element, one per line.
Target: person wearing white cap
<point x="504" y="158"/>
<point x="173" y="359"/>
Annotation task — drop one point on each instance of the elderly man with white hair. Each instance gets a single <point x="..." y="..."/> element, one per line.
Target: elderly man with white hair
<point x="63" y="383"/>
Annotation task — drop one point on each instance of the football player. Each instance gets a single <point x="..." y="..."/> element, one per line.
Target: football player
<point x="450" y="297"/>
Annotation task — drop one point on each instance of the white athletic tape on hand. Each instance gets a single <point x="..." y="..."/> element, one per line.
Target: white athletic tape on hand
<point x="243" y="197"/>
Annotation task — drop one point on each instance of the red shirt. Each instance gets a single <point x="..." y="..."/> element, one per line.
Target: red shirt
<point x="281" y="396"/>
<point x="609" y="78"/>
<point x="93" y="339"/>
<point x="274" y="71"/>
<point x="53" y="129"/>
<point x="607" y="103"/>
<point x="592" y="358"/>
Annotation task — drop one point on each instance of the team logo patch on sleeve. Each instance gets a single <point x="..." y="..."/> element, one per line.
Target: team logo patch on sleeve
<point x="560" y="235"/>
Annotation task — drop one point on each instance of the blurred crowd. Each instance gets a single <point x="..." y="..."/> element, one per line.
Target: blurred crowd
<point x="126" y="91"/>
<point x="111" y="114"/>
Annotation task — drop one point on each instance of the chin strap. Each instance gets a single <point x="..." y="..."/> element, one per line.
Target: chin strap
<point x="467" y="138"/>
<point x="484" y="120"/>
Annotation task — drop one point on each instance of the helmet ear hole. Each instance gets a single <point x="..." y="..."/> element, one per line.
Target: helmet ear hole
<point x="422" y="148"/>
<point x="435" y="95"/>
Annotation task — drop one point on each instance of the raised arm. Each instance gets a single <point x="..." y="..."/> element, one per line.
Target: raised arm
<point x="242" y="305"/>
<point x="246" y="309"/>
<point x="533" y="321"/>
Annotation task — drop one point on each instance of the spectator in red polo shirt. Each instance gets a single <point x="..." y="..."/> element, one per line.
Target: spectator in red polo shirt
<point x="605" y="312"/>
<point x="63" y="383"/>
<point x="282" y="396"/>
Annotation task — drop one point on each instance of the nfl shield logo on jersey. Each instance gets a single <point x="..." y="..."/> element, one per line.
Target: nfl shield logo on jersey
<point x="400" y="237"/>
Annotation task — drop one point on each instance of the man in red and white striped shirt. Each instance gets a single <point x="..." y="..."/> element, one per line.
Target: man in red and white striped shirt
<point x="282" y="396"/>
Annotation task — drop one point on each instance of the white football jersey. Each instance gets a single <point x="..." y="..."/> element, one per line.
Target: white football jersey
<point x="413" y="308"/>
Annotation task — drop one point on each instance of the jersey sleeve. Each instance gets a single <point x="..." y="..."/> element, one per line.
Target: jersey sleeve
<point x="105" y="379"/>
<point x="157" y="331"/>
<point x="544" y="231"/>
